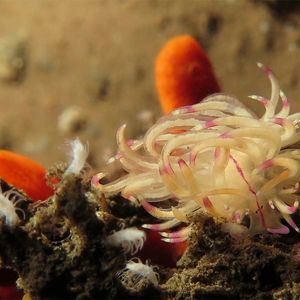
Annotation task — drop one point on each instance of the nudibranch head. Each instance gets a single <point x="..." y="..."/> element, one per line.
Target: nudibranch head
<point x="216" y="157"/>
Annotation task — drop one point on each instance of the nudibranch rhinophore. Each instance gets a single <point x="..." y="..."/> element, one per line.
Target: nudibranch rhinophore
<point x="215" y="157"/>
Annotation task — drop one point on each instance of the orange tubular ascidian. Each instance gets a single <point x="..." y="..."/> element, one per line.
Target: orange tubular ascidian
<point x="183" y="74"/>
<point x="25" y="174"/>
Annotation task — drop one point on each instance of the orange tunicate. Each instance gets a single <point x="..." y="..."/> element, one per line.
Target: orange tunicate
<point x="183" y="73"/>
<point x="24" y="174"/>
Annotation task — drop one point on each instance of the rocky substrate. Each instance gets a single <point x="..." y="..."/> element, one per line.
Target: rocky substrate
<point x="60" y="250"/>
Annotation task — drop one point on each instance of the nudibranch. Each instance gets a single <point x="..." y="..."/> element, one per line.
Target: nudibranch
<point x="216" y="157"/>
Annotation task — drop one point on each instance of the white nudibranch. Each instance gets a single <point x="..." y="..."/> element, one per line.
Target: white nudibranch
<point x="139" y="271"/>
<point x="130" y="239"/>
<point x="216" y="157"/>
<point x="79" y="154"/>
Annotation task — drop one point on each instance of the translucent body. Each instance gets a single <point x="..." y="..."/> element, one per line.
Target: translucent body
<point x="219" y="158"/>
<point x="130" y="239"/>
<point x="138" y="272"/>
<point x="9" y="201"/>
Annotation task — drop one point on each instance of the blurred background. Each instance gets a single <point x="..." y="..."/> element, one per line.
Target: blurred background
<point x="84" y="67"/>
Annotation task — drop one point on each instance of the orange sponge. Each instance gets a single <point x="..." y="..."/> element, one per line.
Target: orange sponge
<point x="25" y="174"/>
<point x="183" y="73"/>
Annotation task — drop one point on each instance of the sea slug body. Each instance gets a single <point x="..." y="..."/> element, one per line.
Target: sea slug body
<point x="219" y="158"/>
<point x="130" y="239"/>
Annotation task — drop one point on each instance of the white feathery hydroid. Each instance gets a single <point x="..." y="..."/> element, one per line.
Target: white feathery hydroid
<point x="79" y="154"/>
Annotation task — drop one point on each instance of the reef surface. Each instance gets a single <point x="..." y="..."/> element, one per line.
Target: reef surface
<point x="60" y="251"/>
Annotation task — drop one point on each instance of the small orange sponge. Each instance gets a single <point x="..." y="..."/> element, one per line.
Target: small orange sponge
<point x="183" y="73"/>
<point x="24" y="174"/>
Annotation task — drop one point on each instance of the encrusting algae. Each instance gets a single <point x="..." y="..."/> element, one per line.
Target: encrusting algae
<point x="204" y="170"/>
